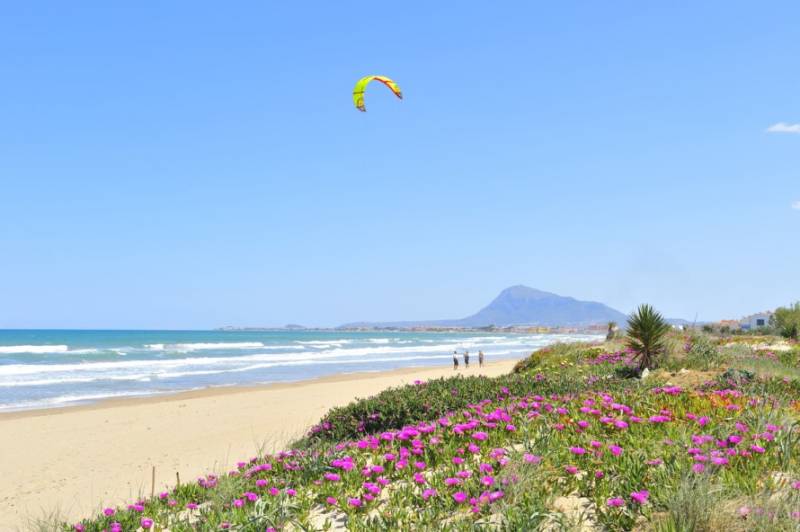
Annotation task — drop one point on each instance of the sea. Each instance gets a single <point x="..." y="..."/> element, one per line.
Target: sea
<point x="57" y="368"/>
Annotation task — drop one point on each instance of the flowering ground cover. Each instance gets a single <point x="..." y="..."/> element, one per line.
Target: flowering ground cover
<point x="564" y="445"/>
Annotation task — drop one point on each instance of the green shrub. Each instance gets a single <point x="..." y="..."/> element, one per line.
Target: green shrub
<point x="405" y="405"/>
<point x="703" y="353"/>
<point x="557" y="354"/>
<point x="647" y="334"/>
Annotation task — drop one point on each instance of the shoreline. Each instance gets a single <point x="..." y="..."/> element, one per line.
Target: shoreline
<point x="211" y="391"/>
<point x="74" y="460"/>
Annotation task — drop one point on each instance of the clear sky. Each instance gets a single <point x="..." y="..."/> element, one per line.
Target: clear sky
<point x="193" y="164"/>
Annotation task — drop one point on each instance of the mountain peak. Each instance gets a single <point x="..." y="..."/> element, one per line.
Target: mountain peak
<point x="523" y="305"/>
<point x="520" y="291"/>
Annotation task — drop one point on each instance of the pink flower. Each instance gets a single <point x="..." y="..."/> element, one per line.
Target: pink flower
<point x="599" y="474"/>
<point x="511" y="428"/>
<point x="487" y="481"/>
<point x="332" y="501"/>
<point x="79" y="527"/>
<point x="191" y="506"/>
<point x="333" y="477"/>
<point x="427" y="494"/>
<point x="640" y="496"/>
<point x="354" y="502"/>
<point x="109" y="512"/>
<point x="291" y="493"/>
<point x="261" y="483"/>
<point x="615" y="502"/>
<point x="238" y="503"/>
<point x="577" y="450"/>
<point x="480" y="436"/>
<point x="452" y="481"/>
<point x="531" y="458"/>
<point x="616" y="450"/>
<point x="459" y="496"/>
<point x="146" y="523"/>
<point x="572" y="470"/>
<point x="698" y="468"/>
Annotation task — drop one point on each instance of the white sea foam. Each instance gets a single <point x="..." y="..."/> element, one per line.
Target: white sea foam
<point x="324" y="342"/>
<point x="66" y="400"/>
<point x="9" y="349"/>
<point x="11" y="370"/>
<point x="205" y="345"/>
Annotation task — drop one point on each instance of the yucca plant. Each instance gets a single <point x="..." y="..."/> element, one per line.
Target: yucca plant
<point x="647" y="331"/>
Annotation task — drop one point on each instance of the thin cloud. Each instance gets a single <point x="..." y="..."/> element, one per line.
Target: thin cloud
<point x="796" y="205"/>
<point x="783" y="127"/>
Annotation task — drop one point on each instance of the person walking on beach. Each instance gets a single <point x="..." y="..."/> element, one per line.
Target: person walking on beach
<point x="480" y="359"/>
<point x="455" y="360"/>
<point x="466" y="359"/>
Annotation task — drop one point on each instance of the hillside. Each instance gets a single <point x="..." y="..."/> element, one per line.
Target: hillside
<point x="522" y="305"/>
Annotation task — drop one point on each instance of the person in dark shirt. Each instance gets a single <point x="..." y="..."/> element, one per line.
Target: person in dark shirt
<point x="480" y="359"/>
<point x="466" y="359"/>
<point x="455" y="360"/>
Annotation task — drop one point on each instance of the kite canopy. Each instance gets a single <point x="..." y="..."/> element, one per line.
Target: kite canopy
<point x="361" y="87"/>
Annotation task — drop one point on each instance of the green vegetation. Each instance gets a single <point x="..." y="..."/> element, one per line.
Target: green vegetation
<point x="786" y="321"/>
<point x="708" y="442"/>
<point x="647" y="332"/>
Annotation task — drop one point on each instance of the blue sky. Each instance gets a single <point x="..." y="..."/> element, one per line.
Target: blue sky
<point x="194" y="164"/>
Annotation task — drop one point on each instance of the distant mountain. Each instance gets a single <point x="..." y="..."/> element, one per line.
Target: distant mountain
<point x="522" y="305"/>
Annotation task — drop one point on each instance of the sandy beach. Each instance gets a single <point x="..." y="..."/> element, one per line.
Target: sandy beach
<point x="74" y="461"/>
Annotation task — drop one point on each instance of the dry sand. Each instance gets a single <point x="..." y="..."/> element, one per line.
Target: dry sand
<point x="74" y="461"/>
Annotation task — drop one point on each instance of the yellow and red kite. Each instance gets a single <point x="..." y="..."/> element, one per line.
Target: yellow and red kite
<point x="361" y="87"/>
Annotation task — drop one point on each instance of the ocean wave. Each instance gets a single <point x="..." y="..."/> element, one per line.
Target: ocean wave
<point x="12" y="370"/>
<point x="36" y="349"/>
<point x="71" y="399"/>
<point x="324" y="342"/>
<point x="204" y="345"/>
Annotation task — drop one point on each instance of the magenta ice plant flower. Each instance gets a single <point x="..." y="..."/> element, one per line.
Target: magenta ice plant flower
<point x="428" y="493"/>
<point x="615" y="502"/>
<point x="459" y="497"/>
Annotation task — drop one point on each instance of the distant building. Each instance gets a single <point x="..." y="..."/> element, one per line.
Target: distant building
<point x="730" y="324"/>
<point x="755" y="321"/>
